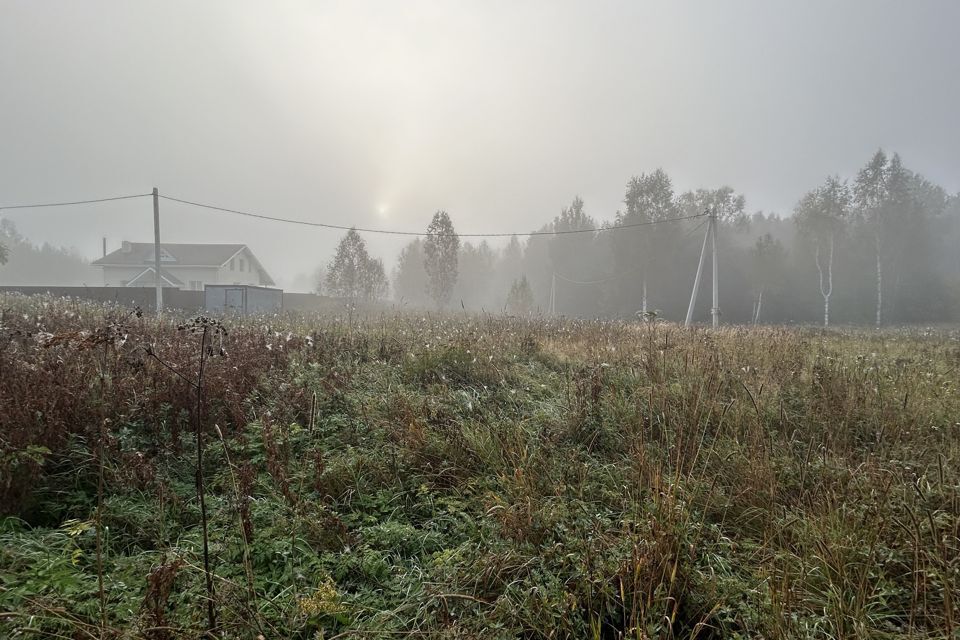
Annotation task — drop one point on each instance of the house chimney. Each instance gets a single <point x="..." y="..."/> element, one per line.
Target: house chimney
<point x="126" y="247"/>
<point x="104" y="246"/>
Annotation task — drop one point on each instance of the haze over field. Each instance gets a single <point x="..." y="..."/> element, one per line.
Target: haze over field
<point x="507" y="414"/>
<point x="378" y="114"/>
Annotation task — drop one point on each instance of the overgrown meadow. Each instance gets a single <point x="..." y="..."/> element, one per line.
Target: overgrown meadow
<point x="472" y="477"/>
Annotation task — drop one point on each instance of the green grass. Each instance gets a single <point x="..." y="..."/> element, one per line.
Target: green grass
<point x="478" y="477"/>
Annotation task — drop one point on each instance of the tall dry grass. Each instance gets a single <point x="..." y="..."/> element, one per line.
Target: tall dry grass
<point x="480" y="476"/>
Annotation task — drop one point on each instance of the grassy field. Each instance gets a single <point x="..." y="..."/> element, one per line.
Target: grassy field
<point x="481" y="477"/>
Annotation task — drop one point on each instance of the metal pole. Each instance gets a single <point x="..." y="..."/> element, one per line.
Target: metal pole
<point x="715" y="311"/>
<point x="696" y="280"/>
<point x="156" y="249"/>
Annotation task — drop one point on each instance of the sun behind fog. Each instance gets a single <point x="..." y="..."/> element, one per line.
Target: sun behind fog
<point x="383" y="211"/>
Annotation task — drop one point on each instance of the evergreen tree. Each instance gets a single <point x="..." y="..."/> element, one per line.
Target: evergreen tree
<point x="767" y="257"/>
<point x="511" y="260"/>
<point x="520" y="297"/>
<point x="573" y="259"/>
<point x="476" y="265"/>
<point x="25" y="263"/>
<point x="409" y="276"/>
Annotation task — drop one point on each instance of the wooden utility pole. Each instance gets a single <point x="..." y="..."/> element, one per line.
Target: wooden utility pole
<point x="156" y="249"/>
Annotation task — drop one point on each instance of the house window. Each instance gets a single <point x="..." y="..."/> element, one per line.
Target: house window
<point x="196" y="285"/>
<point x="242" y="265"/>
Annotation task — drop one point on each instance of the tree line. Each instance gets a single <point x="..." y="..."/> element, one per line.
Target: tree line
<point x="24" y="263"/>
<point x="880" y="247"/>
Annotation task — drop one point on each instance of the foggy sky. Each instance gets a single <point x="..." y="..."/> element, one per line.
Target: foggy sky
<point x="379" y="113"/>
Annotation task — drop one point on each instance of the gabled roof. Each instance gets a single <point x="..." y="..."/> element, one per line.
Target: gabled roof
<point x="145" y="278"/>
<point x="193" y="255"/>
<point x="135" y="254"/>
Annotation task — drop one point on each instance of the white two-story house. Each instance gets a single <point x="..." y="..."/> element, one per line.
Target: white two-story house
<point x="183" y="266"/>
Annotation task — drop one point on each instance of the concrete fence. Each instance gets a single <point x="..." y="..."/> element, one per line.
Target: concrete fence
<point x="143" y="297"/>
<point x="192" y="301"/>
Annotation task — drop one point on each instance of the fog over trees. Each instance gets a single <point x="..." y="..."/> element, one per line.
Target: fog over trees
<point x="353" y="274"/>
<point x="483" y="320"/>
<point x="24" y="263"/>
<point x="876" y="248"/>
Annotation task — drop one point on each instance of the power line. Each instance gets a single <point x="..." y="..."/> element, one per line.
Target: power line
<point x="423" y="233"/>
<point x="629" y="271"/>
<point x="325" y="225"/>
<point x="65" y="204"/>
<point x="601" y="281"/>
<point x="693" y="230"/>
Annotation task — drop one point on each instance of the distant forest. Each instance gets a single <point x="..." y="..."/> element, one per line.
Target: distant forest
<point x="23" y="263"/>
<point x="879" y="247"/>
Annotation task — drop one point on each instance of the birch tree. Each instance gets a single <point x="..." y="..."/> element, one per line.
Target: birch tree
<point x="440" y="258"/>
<point x="870" y="196"/>
<point x="353" y="274"/>
<point x="319" y="278"/>
<point x="729" y="206"/>
<point x="650" y="201"/>
<point x="373" y="283"/>
<point x="821" y="216"/>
